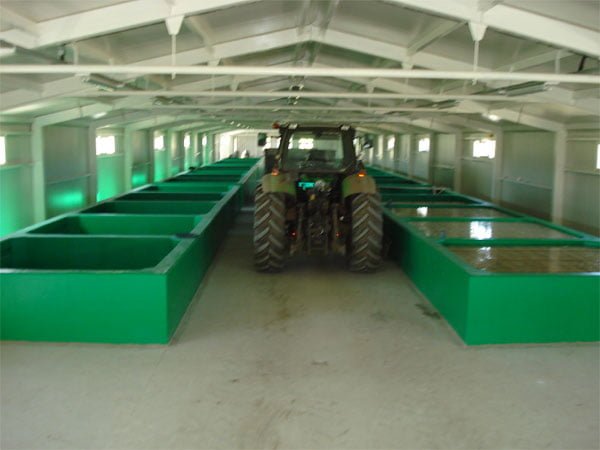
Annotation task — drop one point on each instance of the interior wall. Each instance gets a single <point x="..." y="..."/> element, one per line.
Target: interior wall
<point x="111" y="168"/>
<point x="177" y="153"/>
<point x="387" y="154"/>
<point x="16" y="183"/>
<point x="403" y="163"/>
<point x="66" y="168"/>
<point x="140" y="153"/>
<point x="161" y="157"/>
<point x="476" y="172"/>
<point x="582" y="182"/>
<point x="442" y="167"/>
<point x="528" y="172"/>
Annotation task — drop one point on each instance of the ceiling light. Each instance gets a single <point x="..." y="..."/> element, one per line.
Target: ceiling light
<point x="98" y="115"/>
<point x="102" y="82"/>
<point x="492" y="117"/>
<point x="530" y="87"/>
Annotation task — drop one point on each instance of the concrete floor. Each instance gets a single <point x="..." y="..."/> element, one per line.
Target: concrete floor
<point x="311" y="358"/>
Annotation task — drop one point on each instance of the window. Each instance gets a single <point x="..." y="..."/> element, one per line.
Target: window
<point x="105" y="145"/>
<point x="424" y="144"/>
<point x="187" y="141"/>
<point x="391" y="142"/>
<point x="597" y="156"/>
<point x="159" y="142"/>
<point x="311" y="150"/>
<point x="306" y="143"/>
<point x="204" y="140"/>
<point x="484" y="148"/>
<point x="2" y="150"/>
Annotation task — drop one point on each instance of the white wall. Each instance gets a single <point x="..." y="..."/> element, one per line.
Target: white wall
<point x="16" y="180"/>
<point x="582" y="182"/>
<point x="67" y="169"/>
<point x="528" y="171"/>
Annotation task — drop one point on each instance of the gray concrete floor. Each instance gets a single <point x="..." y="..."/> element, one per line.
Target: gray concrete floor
<point x="311" y="358"/>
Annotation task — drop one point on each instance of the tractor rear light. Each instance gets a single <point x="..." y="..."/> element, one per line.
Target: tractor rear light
<point x="362" y="173"/>
<point x="275" y="171"/>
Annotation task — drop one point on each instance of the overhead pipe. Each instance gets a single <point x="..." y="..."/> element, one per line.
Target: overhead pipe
<point x="306" y="94"/>
<point x="298" y="71"/>
<point x="276" y="108"/>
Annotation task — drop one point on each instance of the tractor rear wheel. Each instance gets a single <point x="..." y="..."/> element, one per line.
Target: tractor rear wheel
<point x="364" y="244"/>
<point x="270" y="244"/>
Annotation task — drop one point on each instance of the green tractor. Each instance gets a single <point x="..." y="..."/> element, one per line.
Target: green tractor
<point x="316" y="198"/>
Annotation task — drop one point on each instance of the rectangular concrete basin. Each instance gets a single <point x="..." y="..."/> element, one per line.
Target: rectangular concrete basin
<point x="124" y="224"/>
<point x="173" y="196"/>
<point x="151" y="207"/>
<point x="188" y="187"/>
<point x="83" y="253"/>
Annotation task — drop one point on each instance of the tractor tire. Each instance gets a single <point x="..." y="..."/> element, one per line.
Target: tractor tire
<point x="270" y="244"/>
<point x="364" y="246"/>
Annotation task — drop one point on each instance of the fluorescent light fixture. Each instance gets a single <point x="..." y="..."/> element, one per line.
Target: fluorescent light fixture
<point x="102" y="82"/>
<point x="530" y="87"/>
<point x="98" y="115"/>
<point x="492" y="117"/>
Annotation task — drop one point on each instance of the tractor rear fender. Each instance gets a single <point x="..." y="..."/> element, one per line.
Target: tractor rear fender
<point x="282" y="183"/>
<point x="357" y="184"/>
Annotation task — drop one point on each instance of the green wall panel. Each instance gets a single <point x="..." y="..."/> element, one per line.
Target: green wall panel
<point x="160" y="165"/>
<point x="110" y="174"/>
<point x="66" y="196"/>
<point x="16" y="209"/>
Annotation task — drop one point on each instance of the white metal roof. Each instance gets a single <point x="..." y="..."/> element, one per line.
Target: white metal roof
<point x="252" y="56"/>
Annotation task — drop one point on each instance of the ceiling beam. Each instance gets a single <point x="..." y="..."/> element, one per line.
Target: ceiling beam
<point x="18" y="21"/>
<point x="71" y="114"/>
<point x="22" y="83"/>
<point x="515" y="21"/>
<point x="432" y="34"/>
<point x="110" y="19"/>
<point x="122" y="119"/>
<point x="473" y="124"/>
<point x="230" y="49"/>
<point x="202" y="28"/>
<point x="528" y="119"/>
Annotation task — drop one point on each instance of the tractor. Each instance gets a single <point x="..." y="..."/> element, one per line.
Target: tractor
<point x="316" y="198"/>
